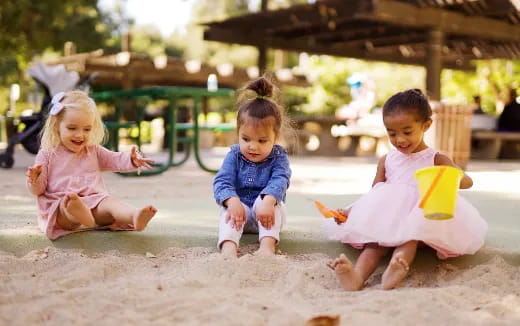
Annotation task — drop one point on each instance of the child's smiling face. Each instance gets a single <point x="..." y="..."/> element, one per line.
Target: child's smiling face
<point x="257" y="138"/>
<point x="406" y="131"/>
<point x="74" y="129"/>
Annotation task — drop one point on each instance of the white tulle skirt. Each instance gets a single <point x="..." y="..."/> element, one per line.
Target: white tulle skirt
<point x="389" y="216"/>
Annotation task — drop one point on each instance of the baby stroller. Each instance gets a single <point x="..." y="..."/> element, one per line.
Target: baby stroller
<point x="53" y="79"/>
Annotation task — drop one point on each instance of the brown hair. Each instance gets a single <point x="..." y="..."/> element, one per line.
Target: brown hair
<point x="261" y="105"/>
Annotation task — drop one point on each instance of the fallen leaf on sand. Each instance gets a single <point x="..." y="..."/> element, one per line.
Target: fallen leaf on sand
<point x="323" y="320"/>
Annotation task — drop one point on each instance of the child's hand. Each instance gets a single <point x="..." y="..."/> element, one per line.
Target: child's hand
<point x="265" y="212"/>
<point x="235" y="213"/>
<point x="139" y="161"/>
<point x="343" y="212"/>
<point x="33" y="173"/>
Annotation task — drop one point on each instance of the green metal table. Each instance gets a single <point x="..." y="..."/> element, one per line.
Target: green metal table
<point x="173" y="94"/>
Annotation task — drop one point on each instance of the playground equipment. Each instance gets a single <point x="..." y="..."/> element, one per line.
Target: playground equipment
<point x="172" y="94"/>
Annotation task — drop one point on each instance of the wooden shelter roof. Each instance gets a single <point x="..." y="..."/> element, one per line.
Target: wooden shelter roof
<point x="132" y="70"/>
<point x="383" y="30"/>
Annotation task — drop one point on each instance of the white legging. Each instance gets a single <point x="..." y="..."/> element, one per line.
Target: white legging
<point x="227" y="233"/>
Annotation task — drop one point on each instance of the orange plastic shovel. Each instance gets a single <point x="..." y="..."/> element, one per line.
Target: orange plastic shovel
<point x="329" y="213"/>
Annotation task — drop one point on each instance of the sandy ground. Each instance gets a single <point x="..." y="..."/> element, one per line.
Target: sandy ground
<point x="171" y="274"/>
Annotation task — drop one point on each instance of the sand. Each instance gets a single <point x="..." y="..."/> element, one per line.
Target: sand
<point x="172" y="274"/>
<point x="197" y="287"/>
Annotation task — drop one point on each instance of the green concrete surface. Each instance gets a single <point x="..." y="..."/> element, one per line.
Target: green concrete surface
<point x="188" y="215"/>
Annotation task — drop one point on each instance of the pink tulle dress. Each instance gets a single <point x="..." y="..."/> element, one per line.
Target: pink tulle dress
<point x="66" y="172"/>
<point x="389" y="214"/>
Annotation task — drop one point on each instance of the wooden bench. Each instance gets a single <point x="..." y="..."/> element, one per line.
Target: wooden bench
<point x="329" y="131"/>
<point x="492" y="144"/>
<point x="356" y="133"/>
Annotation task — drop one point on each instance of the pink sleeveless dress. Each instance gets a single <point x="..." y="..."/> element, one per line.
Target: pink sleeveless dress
<point x="389" y="214"/>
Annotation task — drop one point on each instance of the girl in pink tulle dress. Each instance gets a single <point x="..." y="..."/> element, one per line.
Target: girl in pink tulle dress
<point x="66" y="177"/>
<point x="388" y="216"/>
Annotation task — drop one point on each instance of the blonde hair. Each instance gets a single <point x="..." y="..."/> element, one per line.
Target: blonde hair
<point x="73" y="100"/>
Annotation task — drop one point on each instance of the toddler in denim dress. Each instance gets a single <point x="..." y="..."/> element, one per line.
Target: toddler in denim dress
<point x="251" y="185"/>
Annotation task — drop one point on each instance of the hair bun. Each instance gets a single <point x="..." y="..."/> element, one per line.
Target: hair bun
<point x="418" y="91"/>
<point x="261" y="86"/>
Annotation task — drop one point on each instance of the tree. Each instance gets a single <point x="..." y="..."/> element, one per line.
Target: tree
<point x="28" y="28"/>
<point x="491" y="80"/>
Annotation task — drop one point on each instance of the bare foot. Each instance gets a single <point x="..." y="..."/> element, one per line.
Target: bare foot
<point x="76" y="211"/>
<point x="267" y="247"/>
<point x="395" y="272"/>
<point x="229" y="249"/>
<point x="347" y="276"/>
<point x="143" y="216"/>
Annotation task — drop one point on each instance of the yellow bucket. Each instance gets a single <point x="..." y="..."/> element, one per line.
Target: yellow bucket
<point x="438" y="187"/>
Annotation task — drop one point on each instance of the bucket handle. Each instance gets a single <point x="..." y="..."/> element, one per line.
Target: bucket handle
<point x="432" y="187"/>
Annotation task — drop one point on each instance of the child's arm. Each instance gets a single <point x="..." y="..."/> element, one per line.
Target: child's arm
<point x="280" y="178"/>
<point x="37" y="175"/>
<point x="225" y="193"/>
<point x="441" y="159"/>
<point x="224" y="182"/>
<point x="120" y="161"/>
<point x="380" y="173"/>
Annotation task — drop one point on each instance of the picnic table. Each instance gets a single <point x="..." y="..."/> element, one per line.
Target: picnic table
<point x="172" y="94"/>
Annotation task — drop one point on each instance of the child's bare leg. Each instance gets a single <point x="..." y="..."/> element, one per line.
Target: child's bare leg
<point x="113" y="210"/>
<point x="73" y="212"/>
<point x="399" y="264"/>
<point x="369" y="260"/>
<point x="229" y="249"/>
<point x="267" y="246"/>
<point x="352" y="278"/>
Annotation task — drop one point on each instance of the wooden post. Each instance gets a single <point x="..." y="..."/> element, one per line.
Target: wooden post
<point x="262" y="59"/>
<point x="434" y="64"/>
<point x="262" y="50"/>
<point x="126" y="42"/>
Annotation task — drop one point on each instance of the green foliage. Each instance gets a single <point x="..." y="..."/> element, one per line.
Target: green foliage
<point x="330" y="91"/>
<point x="28" y="29"/>
<point x="205" y="11"/>
<point x="215" y="52"/>
<point x="40" y="28"/>
<point x="294" y="99"/>
<point x="491" y="80"/>
<point x="147" y="40"/>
